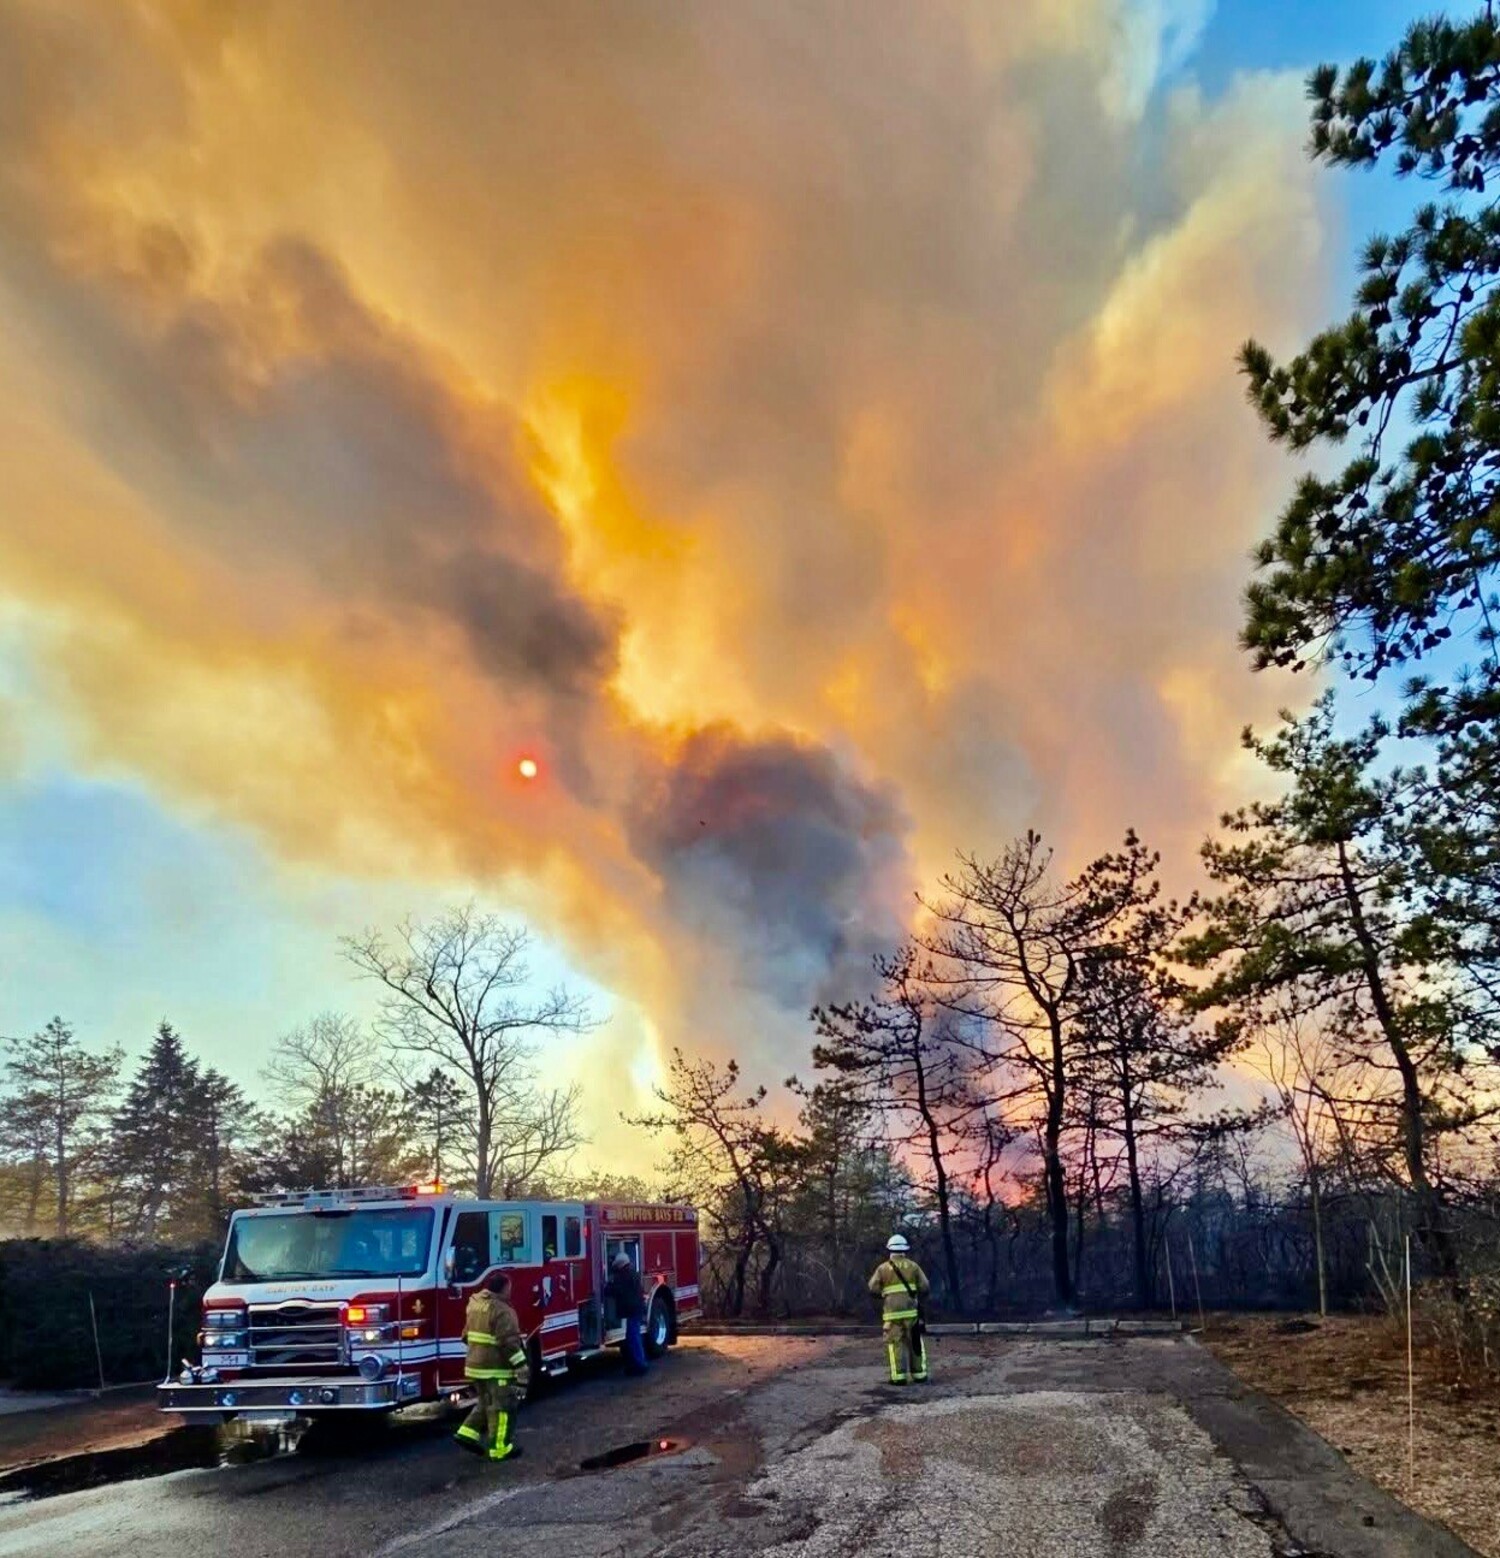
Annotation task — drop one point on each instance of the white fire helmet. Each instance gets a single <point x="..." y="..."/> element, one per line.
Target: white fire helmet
<point x="897" y="1244"/>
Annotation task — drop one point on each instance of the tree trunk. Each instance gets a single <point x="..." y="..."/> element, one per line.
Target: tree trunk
<point x="940" y="1178"/>
<point x="34" y="1190"/>
<point x="1145" y="1295"/>
<point x="1057" y="1184"/>
<point x="735" y="1298"/>
<point x="482" y="1137"/>
<point x="1078" y="1221"/>
<point x="1433" y="1227"/>
<point x="62" y="1178"/>
<point x="1315" y="1195"/>
<point x="768" y="1275"/>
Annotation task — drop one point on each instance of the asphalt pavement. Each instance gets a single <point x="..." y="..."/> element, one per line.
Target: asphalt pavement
<point x="1141" y="1447"/>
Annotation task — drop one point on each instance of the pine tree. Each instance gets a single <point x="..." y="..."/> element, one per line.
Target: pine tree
<point x="222" y="1121"/>
<point x="441" y="1121"/>
<point x="155" y="1144"/>
<point x="57" y="1093"/>
<point x="1390" y="565"/>
<point x="1318" y="918"/>
<point x="899" y="1054"/>
<point x="1139" y="1052"/>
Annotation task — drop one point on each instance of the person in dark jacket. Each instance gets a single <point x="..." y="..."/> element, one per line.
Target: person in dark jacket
<point x="630" y="1306"/>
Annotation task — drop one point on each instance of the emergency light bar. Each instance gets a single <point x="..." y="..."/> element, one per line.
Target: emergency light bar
<point x="347" y="1196"/>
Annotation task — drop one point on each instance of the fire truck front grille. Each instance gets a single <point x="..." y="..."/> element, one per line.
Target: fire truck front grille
<point x="295" y="1336"/>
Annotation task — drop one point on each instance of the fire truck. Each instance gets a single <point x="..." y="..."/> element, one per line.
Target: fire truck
<point x="353" y="1300"/>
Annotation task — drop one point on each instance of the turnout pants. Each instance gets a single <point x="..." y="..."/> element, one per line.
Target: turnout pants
<point x="635" y="1348"/>
<point x="488" y="1426"/>
<point x="905" y="1351"/>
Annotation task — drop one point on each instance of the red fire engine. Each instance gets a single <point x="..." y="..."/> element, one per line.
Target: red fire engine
<point x="341" y="1300"/>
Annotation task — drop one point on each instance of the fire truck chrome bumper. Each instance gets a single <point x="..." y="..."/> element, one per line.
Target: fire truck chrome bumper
<point x="295" y="1396"/>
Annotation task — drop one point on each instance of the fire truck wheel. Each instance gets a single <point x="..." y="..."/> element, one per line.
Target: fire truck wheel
<point x="540" y="1380"/>
<point x="658" y="1328"/>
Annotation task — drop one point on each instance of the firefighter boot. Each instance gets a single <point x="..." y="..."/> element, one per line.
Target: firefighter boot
<point x="469" y="1439"/>
<point x="503" y="1449"/>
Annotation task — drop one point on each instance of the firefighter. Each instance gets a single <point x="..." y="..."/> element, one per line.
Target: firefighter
<point x="630" y="1306"/>
<point x="496" y="1362"/>
<point x="900" y="1284"/>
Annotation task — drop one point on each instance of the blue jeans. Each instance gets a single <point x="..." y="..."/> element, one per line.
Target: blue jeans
<point x="635" y="1351"/>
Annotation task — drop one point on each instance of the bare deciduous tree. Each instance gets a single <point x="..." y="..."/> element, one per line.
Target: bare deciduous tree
<point x="456" y="992"/>
<point x="348" y="1127"/>
<point x="899" y="1052"/>
<point x="1009" y="945"/>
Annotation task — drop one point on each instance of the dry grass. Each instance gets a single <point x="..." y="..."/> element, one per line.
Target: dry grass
<point x="1347" y="1381"/>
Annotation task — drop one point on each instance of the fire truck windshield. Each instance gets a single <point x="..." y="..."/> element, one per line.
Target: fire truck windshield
<point x="280" y="1246"/>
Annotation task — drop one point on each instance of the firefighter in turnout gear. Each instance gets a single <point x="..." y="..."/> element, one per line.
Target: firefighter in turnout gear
<point x="496" y="1362"/>
<point x="900" y="1284"/>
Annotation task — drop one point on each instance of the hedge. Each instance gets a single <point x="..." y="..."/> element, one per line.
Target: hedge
<point x="46" y="1340"/>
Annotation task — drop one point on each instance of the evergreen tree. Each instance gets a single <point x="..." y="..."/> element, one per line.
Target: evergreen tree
<point x="441" y="1122"/>
<point x="155" y="1143"/>
<point x="1391" y="563"/>
<point x="898" y="1053"/>
<point x="1140" y="1055"/>
<point x="1319" y="919"/>
<point x="736" y="1168"/>
<point x="851" y="1191"/>
<point x="223" y="1121"/>
<point x="57" y="1094"/>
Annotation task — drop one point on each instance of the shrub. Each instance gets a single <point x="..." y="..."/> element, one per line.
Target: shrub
<point x="46" y="1339"/>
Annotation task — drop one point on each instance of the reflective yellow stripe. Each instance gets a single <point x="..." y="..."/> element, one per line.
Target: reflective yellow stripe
<point x="900" y="1314"/>
<point x="518" y="1357"/>
<point x="900" y="1287"/>
<point x="504" y="1375"/>
<point x="481" y="1339"/>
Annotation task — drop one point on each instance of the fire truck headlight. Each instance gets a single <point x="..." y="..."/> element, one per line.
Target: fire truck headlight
<point x="224" y="1320"/>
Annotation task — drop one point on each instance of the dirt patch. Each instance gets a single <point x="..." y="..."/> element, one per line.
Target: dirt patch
<point x="176" y="1451"/>
<point x="1345" y="1377"/>
<point x="120" y="1420"/>
<point x="1127" y="1513"/>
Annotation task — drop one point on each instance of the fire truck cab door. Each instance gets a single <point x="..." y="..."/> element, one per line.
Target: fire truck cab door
<point x="485" y="1239"/>
<point x="466" y="1262"/>
<point x="562" y="1283"/>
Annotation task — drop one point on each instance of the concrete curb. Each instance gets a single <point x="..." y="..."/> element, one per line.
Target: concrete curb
<point x="1101" y="1326"/>
<point x="1059" y="1329"/>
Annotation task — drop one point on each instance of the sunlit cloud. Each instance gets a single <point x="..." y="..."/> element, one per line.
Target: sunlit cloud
<point x="814" y="444"/>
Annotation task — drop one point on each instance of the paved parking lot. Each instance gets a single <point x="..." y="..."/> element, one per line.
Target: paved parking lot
<point x="1023" y="1447"/>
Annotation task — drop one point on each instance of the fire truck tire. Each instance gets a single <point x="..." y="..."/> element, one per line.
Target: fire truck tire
<point x="658" y="1328"/>
<point x="540" y="1381"/>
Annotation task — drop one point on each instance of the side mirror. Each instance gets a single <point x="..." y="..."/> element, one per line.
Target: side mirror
<point x="450" y="1265"/>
